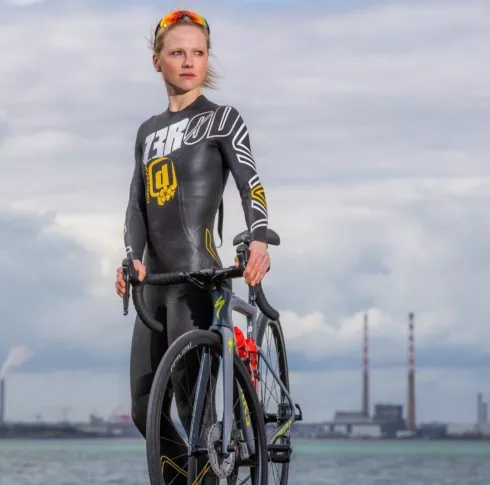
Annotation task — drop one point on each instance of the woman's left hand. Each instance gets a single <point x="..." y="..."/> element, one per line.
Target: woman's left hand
<point x="258" y="263"/>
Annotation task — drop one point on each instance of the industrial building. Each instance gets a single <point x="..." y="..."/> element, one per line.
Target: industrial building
<point x="388" y="421"/>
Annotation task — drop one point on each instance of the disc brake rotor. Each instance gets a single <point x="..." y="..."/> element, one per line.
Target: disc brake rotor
<point x="221" y="466"/>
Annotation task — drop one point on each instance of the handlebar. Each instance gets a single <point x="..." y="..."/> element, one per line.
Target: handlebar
<point x="172" y="278"/>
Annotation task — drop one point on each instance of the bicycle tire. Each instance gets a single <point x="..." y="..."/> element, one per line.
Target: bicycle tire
<point x="283" y="372"/>
<point x="159" y="386"/>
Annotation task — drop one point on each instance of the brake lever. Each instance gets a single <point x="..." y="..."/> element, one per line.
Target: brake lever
<point x="242" y="253"/>
<point x="125" y="267"/>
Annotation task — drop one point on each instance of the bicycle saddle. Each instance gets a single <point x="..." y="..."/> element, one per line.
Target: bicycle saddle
<point x="244" y="237"/>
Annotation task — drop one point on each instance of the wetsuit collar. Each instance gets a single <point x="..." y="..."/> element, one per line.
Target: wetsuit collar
<point x="198" y="100"/>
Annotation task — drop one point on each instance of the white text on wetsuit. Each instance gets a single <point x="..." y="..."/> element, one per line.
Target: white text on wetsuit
<point x="164" y="141"/>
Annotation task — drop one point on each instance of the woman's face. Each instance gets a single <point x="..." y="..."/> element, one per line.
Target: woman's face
<point x="183" y="59"/>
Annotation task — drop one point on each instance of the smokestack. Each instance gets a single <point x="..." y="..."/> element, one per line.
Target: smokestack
<point x="365" y="388"/>
<point x="411" y="377"/>
<point x="479" y="410"/>
<point x="485" y="413"/>
<point x="2" y="402"/>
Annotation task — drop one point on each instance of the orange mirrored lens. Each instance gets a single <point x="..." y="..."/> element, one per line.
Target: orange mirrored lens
<point x="174" y="17"/>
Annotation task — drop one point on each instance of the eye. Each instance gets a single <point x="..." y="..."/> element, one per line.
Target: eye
<point x="175" y="52"/>
<point x="200" y="53"/>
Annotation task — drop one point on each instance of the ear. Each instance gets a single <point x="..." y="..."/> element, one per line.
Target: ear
<point x="156" y="63"/>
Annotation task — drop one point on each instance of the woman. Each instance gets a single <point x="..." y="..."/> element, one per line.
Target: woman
<point x="183" y="158"/>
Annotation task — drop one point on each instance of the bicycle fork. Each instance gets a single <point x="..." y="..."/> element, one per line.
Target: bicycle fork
<point x="231" y="392"/>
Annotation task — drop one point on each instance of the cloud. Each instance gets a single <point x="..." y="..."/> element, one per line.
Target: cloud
<point x="367" y="125"/>
<point x="22" y="3"/>
<point x="15" y="358"/>
<point x="82" y="392"/>
<point x="51" y="303"/>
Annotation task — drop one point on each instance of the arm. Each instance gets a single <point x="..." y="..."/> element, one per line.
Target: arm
<point x="135" y="228"/>
<point x="237" y="155"/>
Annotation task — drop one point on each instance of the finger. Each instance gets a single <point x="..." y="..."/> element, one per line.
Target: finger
<point x="249" y="270"/>
<point x="141" y="269"/>
<point x="255" y="268"/>
<point x="252" y="261"/>
<point x="120" y="291"/>
<point x="257" y="273"/>
<point x="261" y="270"/>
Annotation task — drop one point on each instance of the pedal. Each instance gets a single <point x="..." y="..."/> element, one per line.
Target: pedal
<point x="280" y="452"/>
<point x="270" y="418"/>
<point x="283" y="413"/>
<point x="298" y="417"/>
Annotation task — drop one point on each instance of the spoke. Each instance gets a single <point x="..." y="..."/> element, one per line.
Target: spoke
<point x="208" y="418"/>
<point x="276" y="370"/>
<point x="278" y="473"/>
<point x="243" y="481"/>
<point x="178" y="432"/>
<point x="171" y="441"/>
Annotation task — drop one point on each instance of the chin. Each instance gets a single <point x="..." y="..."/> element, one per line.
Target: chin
<point x="186" y="85"/>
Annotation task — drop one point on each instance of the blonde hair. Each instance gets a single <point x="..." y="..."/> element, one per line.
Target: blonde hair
<point x="156" y="45"/>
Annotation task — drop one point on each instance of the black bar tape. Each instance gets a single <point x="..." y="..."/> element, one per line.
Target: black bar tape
<point x="263" y="304"/>
<point x="142" y="310"/>
<point x="166" y="279"/>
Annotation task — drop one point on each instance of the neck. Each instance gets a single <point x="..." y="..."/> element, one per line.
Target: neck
<point x="180" y="101"/>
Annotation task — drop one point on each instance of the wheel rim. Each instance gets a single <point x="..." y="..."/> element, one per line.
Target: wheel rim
<point x="271" y="394"/>
<point x="180" y="385"/>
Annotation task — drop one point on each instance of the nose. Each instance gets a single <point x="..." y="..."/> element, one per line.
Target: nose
<point x="188" y="61"/>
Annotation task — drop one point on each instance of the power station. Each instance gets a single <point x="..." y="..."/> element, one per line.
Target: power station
<point x="387" y="419"/>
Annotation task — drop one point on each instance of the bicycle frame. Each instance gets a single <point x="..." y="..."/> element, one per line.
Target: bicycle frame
<point x="224" y="303"/>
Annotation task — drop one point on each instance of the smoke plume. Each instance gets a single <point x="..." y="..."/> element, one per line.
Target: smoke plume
<point x="16" y="357"/>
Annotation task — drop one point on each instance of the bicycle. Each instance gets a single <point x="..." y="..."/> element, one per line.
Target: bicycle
<point x="248" y="435"/>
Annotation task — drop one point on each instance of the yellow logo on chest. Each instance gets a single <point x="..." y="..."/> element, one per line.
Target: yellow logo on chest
<point x="161" y="180"/>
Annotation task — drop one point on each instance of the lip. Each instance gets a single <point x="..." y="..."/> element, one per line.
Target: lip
<point x="188" y="75"/>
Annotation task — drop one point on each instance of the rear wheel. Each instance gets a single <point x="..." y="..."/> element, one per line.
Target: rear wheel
<point x="274" y="403"/>
<point x="172" y="406"/>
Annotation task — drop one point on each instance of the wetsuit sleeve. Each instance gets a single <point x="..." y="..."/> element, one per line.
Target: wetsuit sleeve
<point x="135" y="226"/>
<point x="237" y="154"/>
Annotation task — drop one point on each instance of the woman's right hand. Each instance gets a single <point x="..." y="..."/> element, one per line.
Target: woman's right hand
<point x="121" y="284"/>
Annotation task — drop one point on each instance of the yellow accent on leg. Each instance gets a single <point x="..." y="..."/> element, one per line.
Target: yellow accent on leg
<point x="209" y="246"/>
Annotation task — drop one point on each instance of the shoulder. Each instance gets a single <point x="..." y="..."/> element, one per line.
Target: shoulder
<point x="221" y="110"/>
<point x="223" y="120"/>
<point x="144" y="125"/>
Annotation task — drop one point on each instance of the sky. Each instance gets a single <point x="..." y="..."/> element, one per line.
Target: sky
<point x="368" y="123"/>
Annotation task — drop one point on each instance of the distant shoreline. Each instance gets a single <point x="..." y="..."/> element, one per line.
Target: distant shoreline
<point x="81" y="437"/>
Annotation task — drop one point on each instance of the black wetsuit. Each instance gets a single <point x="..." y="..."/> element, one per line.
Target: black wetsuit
<point x="183" y="160"/>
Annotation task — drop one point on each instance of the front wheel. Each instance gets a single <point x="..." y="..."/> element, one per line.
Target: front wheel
<point x="178" y="455"/>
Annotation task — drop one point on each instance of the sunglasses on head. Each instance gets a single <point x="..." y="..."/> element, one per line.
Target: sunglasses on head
<point x="174" y="17"/>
